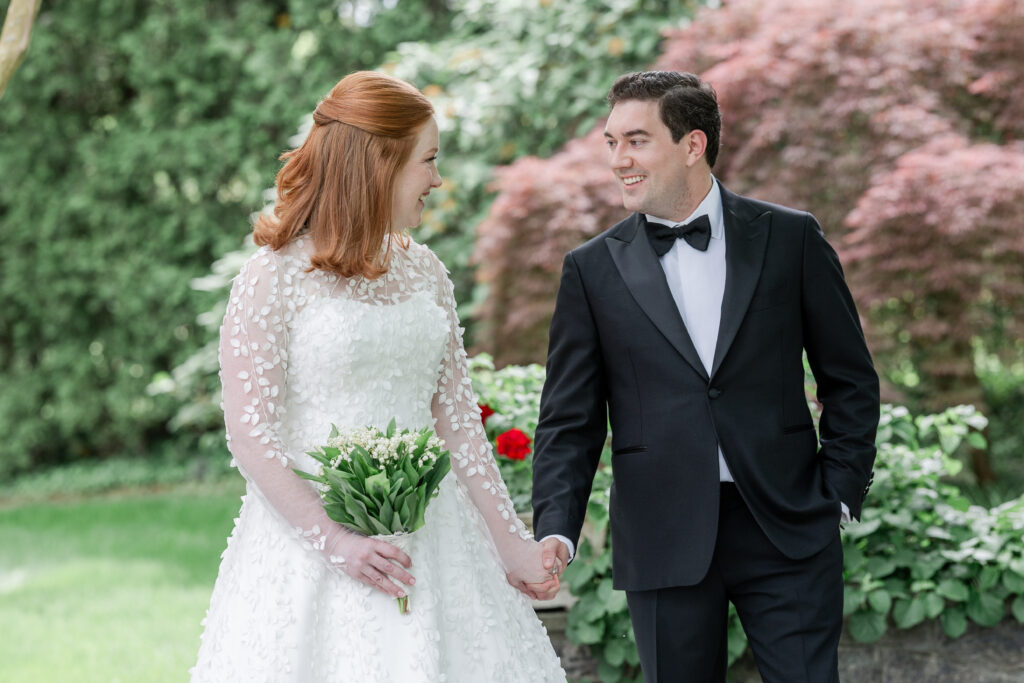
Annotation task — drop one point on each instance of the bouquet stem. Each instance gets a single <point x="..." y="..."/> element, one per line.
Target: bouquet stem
<point x="403" y="604"/>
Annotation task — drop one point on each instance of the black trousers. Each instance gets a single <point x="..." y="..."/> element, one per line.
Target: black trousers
<point x="791" y="610"/>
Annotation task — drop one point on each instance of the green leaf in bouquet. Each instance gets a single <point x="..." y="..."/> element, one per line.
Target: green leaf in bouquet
<point x="362" y="463"/>
<point x="378" y="486"/>
<point x="340" y="481"/>
<point x="441" y="468"/>
<point x="398" y="484"/>
<point x="408" y="510"/>
<point x="418" y="517"/>
<point x="360" y="516"/>
<point x="334" y="431"/>
<point x="421" y="441"/>
<point x="337" y="512"/>
<point x="308" y="476"/>
<point x="391" y="428"/>
<point x="378" y="527"/>
<point x="412" y="475"/>
<point x="387" y="515"/>
<point x="320" y="457"/>
<point x="362" y="497"/>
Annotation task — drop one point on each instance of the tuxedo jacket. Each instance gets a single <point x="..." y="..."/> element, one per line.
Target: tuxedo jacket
<point x="619" y="354"/>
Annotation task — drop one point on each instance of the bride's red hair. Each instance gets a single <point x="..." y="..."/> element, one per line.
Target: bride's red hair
<point x="340" y="182"/>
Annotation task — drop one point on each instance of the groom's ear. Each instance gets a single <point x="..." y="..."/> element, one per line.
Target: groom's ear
<point x="696" y="144"/>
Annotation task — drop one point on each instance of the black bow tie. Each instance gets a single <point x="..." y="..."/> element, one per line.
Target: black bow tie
<point x="697" y="234"/>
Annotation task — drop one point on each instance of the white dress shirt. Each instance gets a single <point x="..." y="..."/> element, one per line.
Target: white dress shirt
<point x="697" y="282"/>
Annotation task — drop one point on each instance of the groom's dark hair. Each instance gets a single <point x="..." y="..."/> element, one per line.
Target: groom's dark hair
<point x="684" y="101"/>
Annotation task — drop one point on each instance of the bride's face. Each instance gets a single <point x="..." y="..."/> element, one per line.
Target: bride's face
<point x="415" y="179"/>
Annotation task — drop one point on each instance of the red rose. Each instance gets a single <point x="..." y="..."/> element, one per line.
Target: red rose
<point x="485" y="412"/>
<point x="514" y="444"/>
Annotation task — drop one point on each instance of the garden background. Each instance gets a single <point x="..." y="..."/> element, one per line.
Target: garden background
<point x="137" y="138"/>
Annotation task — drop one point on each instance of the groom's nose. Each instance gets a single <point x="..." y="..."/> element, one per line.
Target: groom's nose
<point x="620" y="158"/>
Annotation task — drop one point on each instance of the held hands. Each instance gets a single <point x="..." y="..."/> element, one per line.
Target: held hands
<point x="538" y="573"/>
<point x="372" y="561"/>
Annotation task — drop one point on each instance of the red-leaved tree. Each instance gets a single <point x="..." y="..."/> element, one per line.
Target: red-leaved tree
<point x="894" y="121"/>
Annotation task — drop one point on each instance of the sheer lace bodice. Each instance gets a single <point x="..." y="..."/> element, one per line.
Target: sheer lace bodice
<point x="302" y="349"/>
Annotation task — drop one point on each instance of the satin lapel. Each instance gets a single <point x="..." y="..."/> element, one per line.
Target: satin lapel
<point x="746" y="237"/>
<point x="643" y="275"/>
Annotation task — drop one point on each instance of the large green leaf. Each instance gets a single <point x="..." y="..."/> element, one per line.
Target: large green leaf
<point x="585" y="632"/>
<point x="954" y="590"/>
<point x="954" y="621"/>
<point x="880" y="600"/>
<point x="1013" y="581"/>
<point x="909" y="613"/>
<point x="933" y="605"/>
<point x="985" y="608"/>
<point x="867" y="626"/>
<point x="1017" y="607"/>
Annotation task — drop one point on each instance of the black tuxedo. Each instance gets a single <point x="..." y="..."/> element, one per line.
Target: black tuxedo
<point x="619" y="352"/>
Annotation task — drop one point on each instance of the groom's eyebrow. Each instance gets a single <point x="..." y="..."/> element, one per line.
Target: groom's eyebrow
<point x="630" y="133"/>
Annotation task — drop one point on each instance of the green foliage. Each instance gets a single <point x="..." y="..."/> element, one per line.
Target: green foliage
<point x="134" y="139"/>
<point x="922" y="551"/>
<point x="514" y="394"/>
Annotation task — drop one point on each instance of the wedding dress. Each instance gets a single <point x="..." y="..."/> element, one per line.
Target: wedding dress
<point x="302" y="350"/>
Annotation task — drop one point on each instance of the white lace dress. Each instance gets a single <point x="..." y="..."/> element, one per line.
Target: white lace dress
<point x="299" y="351"/>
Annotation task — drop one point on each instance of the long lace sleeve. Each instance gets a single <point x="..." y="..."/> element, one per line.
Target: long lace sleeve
<point x="457" y="422"/>
<point x="253" y="371"/>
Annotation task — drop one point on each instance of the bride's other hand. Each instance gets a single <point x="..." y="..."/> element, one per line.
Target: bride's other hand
<point x="375" y="563"/>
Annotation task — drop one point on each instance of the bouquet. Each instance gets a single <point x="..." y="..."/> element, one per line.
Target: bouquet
<point x="379" y="483"/>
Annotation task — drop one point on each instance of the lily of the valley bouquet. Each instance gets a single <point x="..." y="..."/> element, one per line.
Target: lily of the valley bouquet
<point x="379" y="483"/>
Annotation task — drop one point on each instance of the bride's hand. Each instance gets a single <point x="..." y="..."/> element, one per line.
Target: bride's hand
<point x="373" y="562"/>
<point x="537" y="574"/>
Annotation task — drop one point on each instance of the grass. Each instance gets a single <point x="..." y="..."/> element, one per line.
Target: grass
<point x="111" y="588"/>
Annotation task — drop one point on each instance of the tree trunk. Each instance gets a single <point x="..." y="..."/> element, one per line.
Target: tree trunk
<point x="981" y="464"/>
<point x="14" y="38"/>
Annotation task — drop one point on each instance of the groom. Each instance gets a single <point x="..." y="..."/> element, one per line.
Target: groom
<point x="689" y="340"/>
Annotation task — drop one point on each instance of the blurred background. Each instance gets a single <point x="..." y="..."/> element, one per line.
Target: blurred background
<point x="137" y="138"/>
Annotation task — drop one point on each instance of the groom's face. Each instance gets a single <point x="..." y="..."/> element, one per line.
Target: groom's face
<point x="652" y="170"/>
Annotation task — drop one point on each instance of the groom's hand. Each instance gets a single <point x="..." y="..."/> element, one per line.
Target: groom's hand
<point x="554" y="555"/>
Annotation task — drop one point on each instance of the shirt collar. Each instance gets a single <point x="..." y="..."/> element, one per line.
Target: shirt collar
<point x="710" y="205"/>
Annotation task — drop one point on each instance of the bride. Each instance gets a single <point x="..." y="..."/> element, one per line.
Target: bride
<point x="339" y="318"/>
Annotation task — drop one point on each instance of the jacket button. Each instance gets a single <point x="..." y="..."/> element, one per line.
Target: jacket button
<point x="714" y="393"/>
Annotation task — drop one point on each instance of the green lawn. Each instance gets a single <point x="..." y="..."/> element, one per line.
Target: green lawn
<point x="112" y="588"/>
